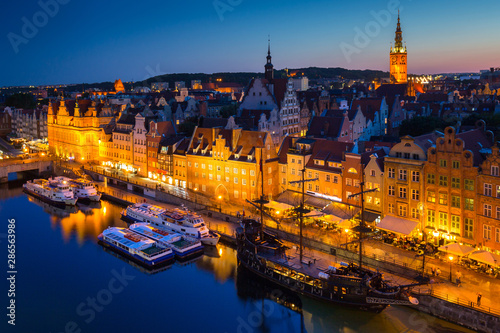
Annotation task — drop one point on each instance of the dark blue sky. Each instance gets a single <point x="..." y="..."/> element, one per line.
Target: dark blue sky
<point x="93" y="41"/>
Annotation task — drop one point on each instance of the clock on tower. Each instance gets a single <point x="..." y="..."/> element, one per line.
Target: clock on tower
<point x="398" y="58"/>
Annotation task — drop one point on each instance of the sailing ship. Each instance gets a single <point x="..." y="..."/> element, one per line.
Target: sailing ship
<point x="349" y="284"/>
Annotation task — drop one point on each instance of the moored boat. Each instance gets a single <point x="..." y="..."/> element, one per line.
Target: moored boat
<point x="177" y="220"/>
<point x="183" y="246"/>
<point x="83" y="189"/>
<point x="139" y="248"/>
<point x="53" y="193"/>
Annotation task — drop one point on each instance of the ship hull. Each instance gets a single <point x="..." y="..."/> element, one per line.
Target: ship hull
<point x="68" y="202"/>
<point x="308" y="290"/>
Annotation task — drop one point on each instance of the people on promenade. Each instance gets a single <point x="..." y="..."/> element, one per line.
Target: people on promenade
<point x="438" y="272"/>
<point x="458" y="278"/>
<point x="479" y="299"/>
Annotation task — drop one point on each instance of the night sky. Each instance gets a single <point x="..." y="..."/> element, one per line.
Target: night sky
<point x="94" y="41"/>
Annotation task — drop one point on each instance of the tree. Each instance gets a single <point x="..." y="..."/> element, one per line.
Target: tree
<point x="21" y="101"/>
<point x="421" y="125"/>
<point x="228" y="110"/>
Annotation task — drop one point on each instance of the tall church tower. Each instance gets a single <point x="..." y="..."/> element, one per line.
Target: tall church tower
<point x="269" y="70"/>
<point x="398" y="58"/>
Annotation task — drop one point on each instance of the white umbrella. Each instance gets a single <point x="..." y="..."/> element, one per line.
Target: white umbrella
<point x="456" y="249"/>
<point x="485" y="257"/>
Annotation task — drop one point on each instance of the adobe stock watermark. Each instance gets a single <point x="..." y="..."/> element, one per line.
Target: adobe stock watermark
<point x="363" y="37"/>
<point x="30" y="28"/>
<point x="223" y="6"/>
<point x="88" y="309"/>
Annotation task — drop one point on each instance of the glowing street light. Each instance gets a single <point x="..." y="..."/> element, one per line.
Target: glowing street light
<point x="346" y="234"/>
<point x="220" y="203"/>
<point x="451" y="260"/>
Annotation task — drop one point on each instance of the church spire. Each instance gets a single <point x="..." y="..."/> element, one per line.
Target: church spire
<point x="269" y="69"/>
<point x="398" y="40"/>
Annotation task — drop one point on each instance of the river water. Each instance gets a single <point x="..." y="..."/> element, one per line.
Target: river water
<point x="66" y="282"/>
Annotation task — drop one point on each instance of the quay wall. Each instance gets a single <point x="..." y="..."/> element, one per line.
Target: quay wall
<point x="465" y="316"/>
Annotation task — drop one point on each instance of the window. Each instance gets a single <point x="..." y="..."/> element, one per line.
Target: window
<point x="455" y="164"/>
<point x="469" y="204"/>
<point x="402" y="210"/>
<point x="283" y="181"/>
<point x="293" y="171"/>
<point x="317" y="188"/>
<point x="219" y="168"/>
<point x="415" y="195"/>
<point x="402" y="192"/>
<point x="377" y="201"/>
<point x="244" y="171"/>
<point x="455" y="201"/>
<point x="431" y="196"/>
<point x="236" y="180"/>
<point x="210" y="167"/>
<point x="443" y="180"/>
<point x="348" y="181"/>
<point x="310" y="186"/>
<point x="443" y="198"/>
<point x="498" y="191"/>
<point x="309" y="175"/>
<point x="487" y="232"/>
<point x="455" y="182"/>
<point x="488" y="190"/>
<point x="487" y="210"/>
<point x="269" y="170"/>
<point x="414" y="213"/>
<point x="218" y="177"/>
<point x="327" y="178"/>
<point x="391" y="173"/>
<point x="498" y="213"/>
<point x="402" y="174"/>
<point x="356" y="182"/>
<point x="431" y="178"/>
<point x="494" y="171"/>
<point x="469" y="184"/>
<point x="443" y="221"/>
<point x="252" y="183"/>
<point x="236" y="194"/>
<point x="235" y="171"/>
<point x="227" y="169"/>
<point x="391" y="190"/>
<point x="252" y="172"/>
<point x="336" y="180"/>
<point x="431" y="218"/>
<point x="227" y="179"/>
<point x="269" y="181"/>
<point x="497" y="235"/>
<point x="391" y="208"/>
<point x="442" y="163"/>
<point x="415" y="176"/>
<point x="372" y="173"/>
<point x="196" y="165"/>
<point x="210" y="176"/>
<point x="469" y="228"/>
<point x="455" y="224"/>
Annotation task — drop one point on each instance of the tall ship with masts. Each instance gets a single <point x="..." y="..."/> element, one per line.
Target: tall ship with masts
<point x="350" y="284"/>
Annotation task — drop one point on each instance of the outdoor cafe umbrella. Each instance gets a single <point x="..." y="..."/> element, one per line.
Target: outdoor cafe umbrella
<point x="486" y="258"/>
<point x="456" y="249"/>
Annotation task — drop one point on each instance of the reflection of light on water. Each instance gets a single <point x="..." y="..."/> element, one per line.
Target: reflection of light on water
<point x="104" y="211"/>
<point x="222" y="262"/>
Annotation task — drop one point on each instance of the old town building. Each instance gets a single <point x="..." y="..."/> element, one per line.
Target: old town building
<point x="232" y="164"/>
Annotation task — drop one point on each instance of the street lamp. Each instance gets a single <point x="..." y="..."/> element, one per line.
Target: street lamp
<point x="195" y="196"/>
<point x="451" y="260"/>
<point x="346" y="234"/>
<point x="220" y="203"/>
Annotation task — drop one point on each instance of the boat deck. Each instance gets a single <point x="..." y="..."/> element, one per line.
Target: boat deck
<point x="152" y="250"/>
<point x="181" y="243"/>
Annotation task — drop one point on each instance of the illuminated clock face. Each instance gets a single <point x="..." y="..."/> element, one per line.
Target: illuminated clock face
<point x="403" y="60"/>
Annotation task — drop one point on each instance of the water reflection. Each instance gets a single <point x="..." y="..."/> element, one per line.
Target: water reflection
<point x="221" y="261"/>
<point x="85" y="222"/>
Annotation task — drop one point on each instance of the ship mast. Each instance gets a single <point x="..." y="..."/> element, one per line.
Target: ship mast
<point x="362" y="224"/>
<point x="262" y="201"/>
<point x="301" y="210"/>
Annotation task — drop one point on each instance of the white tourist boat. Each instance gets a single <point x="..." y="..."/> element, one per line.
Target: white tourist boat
<point x="51" y="192"/>
<point x="182" y="245"/>
<point x="135" y="246"/>
<point x="178" y="220"/>
<point x="83" y="189"/>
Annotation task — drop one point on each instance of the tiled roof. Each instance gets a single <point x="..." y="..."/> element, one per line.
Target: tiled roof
<point x="325" y="127"/>
<point x="368" y="106"/>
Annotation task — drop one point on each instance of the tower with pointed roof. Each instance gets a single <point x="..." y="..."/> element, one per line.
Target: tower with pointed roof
<point x="269" y="69"/>
<point x="398" y="58"/>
